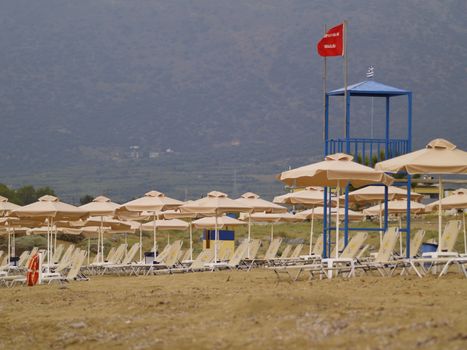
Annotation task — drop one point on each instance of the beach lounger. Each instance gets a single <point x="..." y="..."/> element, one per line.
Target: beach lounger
<point x="57" y="254"/>
<point x="296" y="252"/>
<point x="269" y="256"/>
<point x="384" y="261"/>
<point x="115" y="259"/>
<point x="67" y="254"/>
<point x="234" y="262"/>
<point x="346" y="260"/>
<point x="74" y="272"/>
<point x="187" y="256"/>
<point x="110" y="254"/>
<point x="444" y="255"/>
<point x="23" y="258"/>
<point x="362" y="252"/>
<point x="169" y="261"/>
<point x="125" y="264"/>
<point x="199" y="264"/>
<point x="66" y="263"/>
<point x="330" y="266"/>
<point x="285" y="253"/>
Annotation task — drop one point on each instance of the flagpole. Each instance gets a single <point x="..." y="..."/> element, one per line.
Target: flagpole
<point x="345" y="81"/>
<point x="325" y="71"/>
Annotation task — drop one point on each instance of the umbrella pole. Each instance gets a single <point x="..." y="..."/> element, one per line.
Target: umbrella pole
<point x="13" y="244"/>
<point x="48" y="244"/>
<point x="98" y="246"/>
<point x="215" y="243"/>
<point x="465" y="236"/>
<point x="337" y="221"/>
<point x="89" y="248"/>
<point x="168" y="238"/>
<point x="311" y="228"/>
<point x="272" y="232"/>
<point x="55" y="242"/>
<point x="102" y="237"/>
<point x="440" y="223"/>
<point x="51" y="242"/>
<point x="154" y="234"/>
<point x="380" y="223"/>
<point x="400" y="236"/>
<point x="140" y="241"/>
<point x="191" y="240"/>
<point x="249" y="235"/>
<point x="9" y="246"/>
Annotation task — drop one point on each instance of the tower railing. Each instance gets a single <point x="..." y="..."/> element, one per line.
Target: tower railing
<point x="369" y="151"/>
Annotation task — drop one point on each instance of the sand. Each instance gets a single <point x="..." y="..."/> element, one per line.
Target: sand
<point x="237" y="310"/>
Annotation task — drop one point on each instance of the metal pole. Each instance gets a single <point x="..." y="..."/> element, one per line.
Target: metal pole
<point x="154" y="235"/>
<point x="440" y="217"/>
<point x="191" y="240"/>
<point x="386" y="212"/>
<point x="337" y="221"/>
<point x="102" y="238"/>
<point x="140" y="241"/>
<point x="312" y="227"/>
<point x="89" y="249"/>
<point x="249" y="235"/>
<point x="387" y="155"/>
<point x="215" y="243"/>
<point x="465" y="235"/>
<point x="55" y="242"/>
<point x="13" y="244"/>
<point x="380" y="222"/>
<point x="9" y="244"/>
<point x="400" y="235"/>
<point x="407" y="232"/>
<point x="325" y="222"/>
<point x="325" y="69"/>
<point x="345" y="80"/>
<point x="272" y="231"/>
<point x="346" y="216"/>
<point x="98" y="246"/>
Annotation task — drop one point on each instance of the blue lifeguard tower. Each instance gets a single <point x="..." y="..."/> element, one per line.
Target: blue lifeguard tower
<point x="367" y="148"/>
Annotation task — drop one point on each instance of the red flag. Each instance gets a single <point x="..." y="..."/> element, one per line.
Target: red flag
<point x="332" y="44"/>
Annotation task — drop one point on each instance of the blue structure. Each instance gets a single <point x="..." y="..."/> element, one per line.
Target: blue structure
<point x="367" y="148"/>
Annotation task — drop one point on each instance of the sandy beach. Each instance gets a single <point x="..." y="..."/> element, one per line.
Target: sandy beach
<point x="237" y="310"/>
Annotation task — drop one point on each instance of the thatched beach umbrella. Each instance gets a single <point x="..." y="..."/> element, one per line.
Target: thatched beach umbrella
<point x="100" y="206"/>
<point x="5" y="208"/>
<point x="50" y="208"/>
<point x="438" y="157"/>
<point x="152" y="201"/>
<point x="177" y="214"/>
<point x="258" y="205"/>
<point x="337" y="170"/>
<point x="215" y="203"/>
<point x="309" y="197"/>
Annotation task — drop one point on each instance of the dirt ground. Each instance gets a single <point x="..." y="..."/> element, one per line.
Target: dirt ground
<point x="237" y="310"/>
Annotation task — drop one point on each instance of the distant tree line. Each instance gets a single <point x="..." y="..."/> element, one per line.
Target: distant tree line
<point x="24" y="195"/>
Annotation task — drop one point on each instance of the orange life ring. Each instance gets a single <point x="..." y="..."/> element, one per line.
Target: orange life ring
<point x="33" y="271"/>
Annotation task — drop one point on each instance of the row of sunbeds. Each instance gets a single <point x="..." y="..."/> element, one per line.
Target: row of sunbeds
<point x="386" y="261"/>
<point x="69" y="264"/>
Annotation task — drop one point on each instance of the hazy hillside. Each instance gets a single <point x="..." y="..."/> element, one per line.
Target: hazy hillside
<point x="233" y="88"/>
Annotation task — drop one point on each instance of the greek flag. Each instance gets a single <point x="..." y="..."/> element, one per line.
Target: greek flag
<point x="370" y="72"/>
